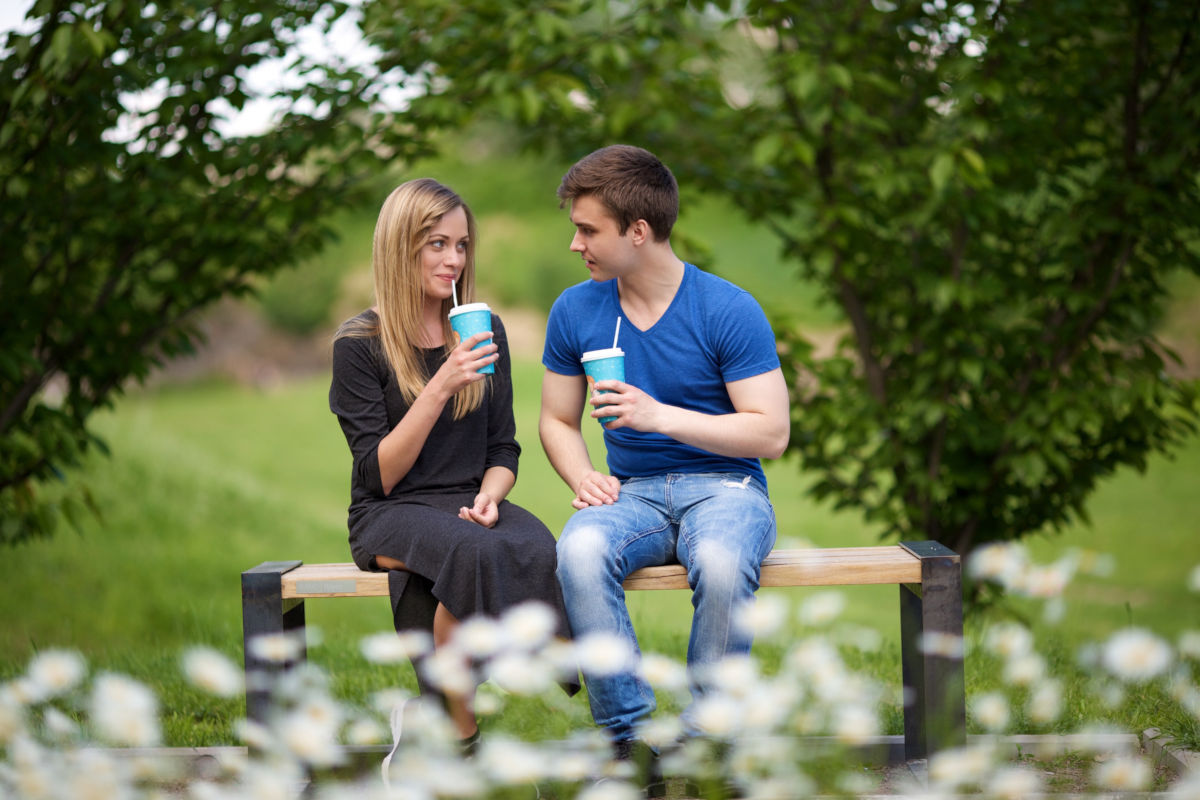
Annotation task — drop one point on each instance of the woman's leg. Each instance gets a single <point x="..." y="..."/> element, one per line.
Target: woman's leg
<point x="458" y="706"/>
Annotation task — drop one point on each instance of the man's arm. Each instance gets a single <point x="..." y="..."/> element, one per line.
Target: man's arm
<point x="562" y="439"/>
<point x="759" y="427"/>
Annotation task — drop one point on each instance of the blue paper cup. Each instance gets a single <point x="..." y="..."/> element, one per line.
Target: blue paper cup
<point x="604" y="365"/>
<point x="470" y="319"/>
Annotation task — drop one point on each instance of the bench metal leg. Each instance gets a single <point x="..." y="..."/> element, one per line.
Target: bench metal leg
<point x="931" y="631"/>
<point x="264" y="611"/>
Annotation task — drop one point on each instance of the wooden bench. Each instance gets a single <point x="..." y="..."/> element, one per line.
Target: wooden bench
<point x="931" y="623"/>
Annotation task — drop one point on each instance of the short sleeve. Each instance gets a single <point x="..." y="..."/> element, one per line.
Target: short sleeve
<point x="561" y="351"/>
<point x="744" y="340"/>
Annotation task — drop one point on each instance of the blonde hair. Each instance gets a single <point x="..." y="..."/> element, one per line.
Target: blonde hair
<point x="405" y="220"/>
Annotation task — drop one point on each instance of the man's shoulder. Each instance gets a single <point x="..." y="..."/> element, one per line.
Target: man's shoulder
<point x="583" y="291"/>
<point x="717" y="292"/>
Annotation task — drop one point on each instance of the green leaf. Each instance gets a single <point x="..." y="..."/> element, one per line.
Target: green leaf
<point x="941" y="170"/>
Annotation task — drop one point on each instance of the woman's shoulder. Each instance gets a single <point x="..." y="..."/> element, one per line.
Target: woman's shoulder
<point x="362" y="325"/>
<point x="358" y="336"/>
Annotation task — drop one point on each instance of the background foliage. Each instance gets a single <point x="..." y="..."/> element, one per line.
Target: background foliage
<point x="995" y="197"/>
<point x="992" y="199"/>
<point x="126" y="206"/>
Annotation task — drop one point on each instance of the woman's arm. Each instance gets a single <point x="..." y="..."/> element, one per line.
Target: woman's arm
<point x="497" y="483"/>
<point x="398" y="450"/>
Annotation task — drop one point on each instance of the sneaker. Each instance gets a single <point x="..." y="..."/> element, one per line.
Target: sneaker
<point x="397" y="723"/>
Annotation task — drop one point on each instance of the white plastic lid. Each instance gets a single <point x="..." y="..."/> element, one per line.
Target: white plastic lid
<point x="466" y="308"/>
<point x="608" y="352"/>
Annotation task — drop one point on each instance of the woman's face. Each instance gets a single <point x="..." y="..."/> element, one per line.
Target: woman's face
<point x="444" y="255"/>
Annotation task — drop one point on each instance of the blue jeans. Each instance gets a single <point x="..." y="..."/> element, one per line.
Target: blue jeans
<point x="719" y="526"/>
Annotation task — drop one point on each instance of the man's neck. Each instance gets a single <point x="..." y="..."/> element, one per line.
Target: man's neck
<point x="647" y="293"/>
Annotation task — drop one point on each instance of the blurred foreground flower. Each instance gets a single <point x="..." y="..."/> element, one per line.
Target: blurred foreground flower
<point x="54" y="672"/>
<point x="1123" y="774"/>
<point x="396" y="648"/>
<point x="1135" y="655"/>
<point x="277" y="647"/>
<point x="212" y="672"/>
<point x="124" y="711"/>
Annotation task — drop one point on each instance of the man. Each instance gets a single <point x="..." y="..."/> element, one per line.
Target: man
<point x="704" y="399"/>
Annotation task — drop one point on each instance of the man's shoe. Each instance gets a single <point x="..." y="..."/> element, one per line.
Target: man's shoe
<point x="647" y="768"/>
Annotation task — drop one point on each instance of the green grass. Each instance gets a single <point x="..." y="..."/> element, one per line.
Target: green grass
<point x="210" y="479"/>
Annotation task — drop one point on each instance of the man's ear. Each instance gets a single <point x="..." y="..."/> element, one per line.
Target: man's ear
<point x="639" y="232"/>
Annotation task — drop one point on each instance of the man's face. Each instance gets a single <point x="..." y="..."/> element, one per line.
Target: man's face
<point x="606" y="253"/>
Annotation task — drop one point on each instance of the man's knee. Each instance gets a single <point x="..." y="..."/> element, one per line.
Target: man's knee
<point x="583" y="551"/>
<point x="718" y="568"/>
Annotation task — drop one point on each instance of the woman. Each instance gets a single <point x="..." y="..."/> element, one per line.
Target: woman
<point x="433" y="438"/>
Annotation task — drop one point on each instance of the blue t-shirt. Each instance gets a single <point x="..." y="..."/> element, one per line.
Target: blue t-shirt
<point x="713" y="333"/>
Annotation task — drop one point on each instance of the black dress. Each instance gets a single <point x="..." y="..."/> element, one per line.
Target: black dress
<point x="470" y="569"/>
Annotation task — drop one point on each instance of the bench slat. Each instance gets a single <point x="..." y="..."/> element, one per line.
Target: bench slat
<point x="831" y="566"/>
<point x="839" y="566"/>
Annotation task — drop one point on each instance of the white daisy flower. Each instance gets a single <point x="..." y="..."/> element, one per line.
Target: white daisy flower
<point x="521" y="673"/>
<point x="12" y="717"/>
<point x="529" y="625"/>
<point x="310" y="732"/>
<point x="1123" y="774"/>
<point x="1024" y="670"/>
<point x="1051" y="580"/>
<point x="59" y="726"/>
<point x="822" y="608"/>
<point x="854" y="724"/>
<point x="1194" y="579"/>
<point x="992" y="711"/>
<point x="1136" y="655"/>
<point x="1008" y="639"/>
<point x="962" y="765"/>
<point x="364" y="732"/>
<point x="1014" y="783"/>
<point x="1045" y="701"/>
<point x="662" y="672"/>
<point x="718" y="715"/>
<point x="661" y="731"/>
<point x="509" y="762"/>
<point x="610" y="790"/>
<point x="395" y="648"/>
<point x="93" y="775"/>
<point x="54" y="672"/>
<point x="212" y="671"/>
<point x="946" y="645"/>
<point x="478" y="637"/>
<point x="277" y="647"/>
<point x="1002" y="563"/>
<point x="605" y="654"/>
<point x="762" y="617"/>
<point x="124" y="711"/>
<point x="448" y="670"/>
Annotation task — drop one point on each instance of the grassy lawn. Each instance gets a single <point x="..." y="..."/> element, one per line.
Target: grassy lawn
<point x="208" y="480"/>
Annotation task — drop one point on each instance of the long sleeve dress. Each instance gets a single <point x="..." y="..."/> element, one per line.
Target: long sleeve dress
<point x="468" y="568"/>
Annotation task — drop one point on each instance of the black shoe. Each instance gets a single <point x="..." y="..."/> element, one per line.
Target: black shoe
<point x="468" y="746"/>
<point x="647" y="768"/>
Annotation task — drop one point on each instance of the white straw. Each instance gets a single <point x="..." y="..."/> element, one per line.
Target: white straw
<point x="617" y="332"/>
<point x="454" y="291"/>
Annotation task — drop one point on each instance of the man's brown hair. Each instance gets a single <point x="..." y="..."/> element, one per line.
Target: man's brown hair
<point x="631" y="183"/>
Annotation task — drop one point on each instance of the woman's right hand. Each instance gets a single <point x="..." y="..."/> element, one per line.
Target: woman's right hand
<point x="463" y="364"/>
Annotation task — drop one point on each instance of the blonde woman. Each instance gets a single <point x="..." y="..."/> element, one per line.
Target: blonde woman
<point x="432" y="439"/>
